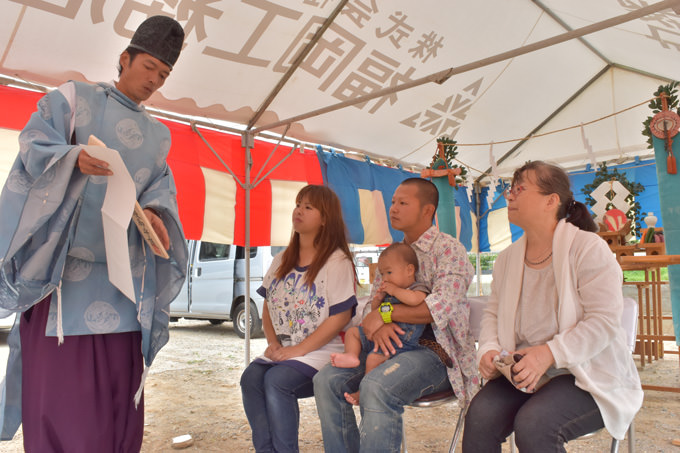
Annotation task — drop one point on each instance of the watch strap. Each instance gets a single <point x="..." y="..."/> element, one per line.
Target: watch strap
<point x="386" y="315"/>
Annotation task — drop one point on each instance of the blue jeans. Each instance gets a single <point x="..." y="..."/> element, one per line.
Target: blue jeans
<point x="384" y="392"/>
<point x="270" y="393"/>
<point x="543" y="421"/>
<point x="409" y="339"/>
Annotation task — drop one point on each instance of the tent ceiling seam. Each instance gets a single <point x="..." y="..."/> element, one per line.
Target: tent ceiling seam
<point x="486" y="90"/>
<point x="641" y="72"/>
<point x="548" y="119"/>
<point x="564" y="25"/>
<point x="443" y="75"/>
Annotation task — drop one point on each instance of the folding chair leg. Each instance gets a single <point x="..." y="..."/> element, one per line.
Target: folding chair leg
<point x="631" y="441"/>
<point x="631" y="438"/>
<point x="459" y="427"/>
<point x="456" y="433"/>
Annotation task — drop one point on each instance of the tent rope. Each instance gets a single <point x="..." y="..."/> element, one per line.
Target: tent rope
<point x="556" y="131"/>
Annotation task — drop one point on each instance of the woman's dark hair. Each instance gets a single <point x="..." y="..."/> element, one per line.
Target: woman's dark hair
<point x="331" y="236"/>
<point x="553" y="179"/>
<point x="133" y="53"/>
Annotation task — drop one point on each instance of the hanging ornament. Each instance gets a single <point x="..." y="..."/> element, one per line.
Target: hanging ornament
<point x="588" y="147"/>
<point x="492" y="163"/>
<point x="493" y="183"/>
<point x="609" y="193"/>
<point x="665" y="125"/>
<point x="444" y="178"/>
<point x="493" y="190"/>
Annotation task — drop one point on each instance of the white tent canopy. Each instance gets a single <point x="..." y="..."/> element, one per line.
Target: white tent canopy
<point x="237" y="52"/>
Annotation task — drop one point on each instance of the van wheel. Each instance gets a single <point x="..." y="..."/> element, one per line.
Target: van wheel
<point x="240" y="321"/>
<point x="216" y="322"/>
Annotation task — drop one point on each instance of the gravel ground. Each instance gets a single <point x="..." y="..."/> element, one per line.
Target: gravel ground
<point x="193" y="388"/>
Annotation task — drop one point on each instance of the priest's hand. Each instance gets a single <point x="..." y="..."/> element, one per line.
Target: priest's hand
<point x="158" y="227"/>
<point x="91" y="165"/>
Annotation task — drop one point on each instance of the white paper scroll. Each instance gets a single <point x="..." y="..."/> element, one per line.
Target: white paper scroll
<point x="119" y="202"/>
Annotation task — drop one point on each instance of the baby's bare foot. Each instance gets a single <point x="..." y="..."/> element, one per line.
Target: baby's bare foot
<point x="344" y="360"/>
<point x="352" y="398"/>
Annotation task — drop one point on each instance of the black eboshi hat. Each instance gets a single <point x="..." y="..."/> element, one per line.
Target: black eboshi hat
<point x="161" y="37"/>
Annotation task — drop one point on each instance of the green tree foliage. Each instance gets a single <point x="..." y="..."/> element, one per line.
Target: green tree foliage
<point x="604" y="174"/>
<point x="486" y="260"/>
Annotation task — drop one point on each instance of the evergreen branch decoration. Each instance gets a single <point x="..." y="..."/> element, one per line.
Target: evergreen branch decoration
<point x="604" y="174"/>
<point x="672" y="92"/>
<point x="450" y="151"/>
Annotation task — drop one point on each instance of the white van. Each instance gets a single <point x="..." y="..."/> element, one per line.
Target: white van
<point x="215" y="286"/>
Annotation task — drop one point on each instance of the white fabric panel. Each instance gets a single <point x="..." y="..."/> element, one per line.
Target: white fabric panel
<point x="499" y="230"/>
<point x="475" y="234"/>
<point x="220" y="203"/>
<point x="457" y="211"/>
<point x="283" y="203"/>
<point x="9" y="148"/>
<point x="374" y="218"/>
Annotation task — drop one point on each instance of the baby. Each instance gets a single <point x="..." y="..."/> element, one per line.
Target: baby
<point x="398" y="265"/>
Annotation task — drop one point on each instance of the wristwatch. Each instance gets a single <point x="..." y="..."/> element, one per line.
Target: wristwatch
<point x="386" y="312"/>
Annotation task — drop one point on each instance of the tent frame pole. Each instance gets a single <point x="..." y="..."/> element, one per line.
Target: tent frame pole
<point x="247" y="142"/>
<point x="442" y="76"/>
<point x="477" y="190"/>
<point x="296" y="63"/>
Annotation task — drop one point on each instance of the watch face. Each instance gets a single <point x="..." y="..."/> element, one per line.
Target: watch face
<point x="385" y="308"/>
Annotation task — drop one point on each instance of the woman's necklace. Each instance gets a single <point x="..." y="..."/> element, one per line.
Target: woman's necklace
<point x="532" y="263"/>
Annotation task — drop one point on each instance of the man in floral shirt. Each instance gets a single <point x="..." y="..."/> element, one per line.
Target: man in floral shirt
<point x="444" y="266"/>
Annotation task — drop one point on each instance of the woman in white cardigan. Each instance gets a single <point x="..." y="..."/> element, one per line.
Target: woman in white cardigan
<point x="556" y="299"/>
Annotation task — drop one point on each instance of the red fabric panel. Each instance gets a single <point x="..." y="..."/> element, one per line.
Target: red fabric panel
<point x="188" y="154"/>
<point x="260" y="215"/>
<point x="17" y="106"/>
<point x="298" y="167"/>
<point x="184" y="162"/>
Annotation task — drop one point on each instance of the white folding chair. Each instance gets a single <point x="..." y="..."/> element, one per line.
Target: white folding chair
<point x="629" y="320"/>
<point x="437" y="399"/>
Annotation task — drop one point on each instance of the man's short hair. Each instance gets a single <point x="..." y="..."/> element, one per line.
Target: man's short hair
<point x="133" y="53"/>
<point x="427" y="191"/>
